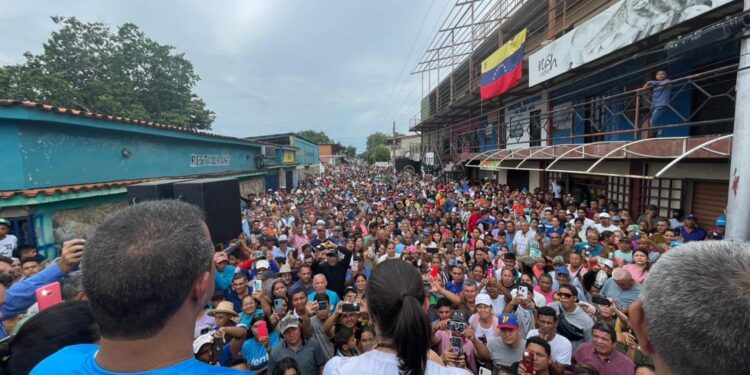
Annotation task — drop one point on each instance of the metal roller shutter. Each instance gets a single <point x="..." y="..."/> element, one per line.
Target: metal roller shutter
<point x="709" y="201"/>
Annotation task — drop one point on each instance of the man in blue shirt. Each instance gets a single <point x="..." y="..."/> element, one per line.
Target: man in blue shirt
<point x="690" y="231"/>
<point x="20" y="296"/>
<point x="224" y="272"/>
<point x="662" y="94"/>
<point x="147" y="318"/>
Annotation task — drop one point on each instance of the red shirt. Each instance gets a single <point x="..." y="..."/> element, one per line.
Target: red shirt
<point x="616" y="364"/>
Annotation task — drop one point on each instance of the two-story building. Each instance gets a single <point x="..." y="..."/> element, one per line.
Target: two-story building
<point x="581" y="114"/>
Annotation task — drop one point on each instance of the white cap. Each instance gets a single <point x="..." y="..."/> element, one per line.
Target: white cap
<point x="202" y="340"/>
<point x="604" y="214"/>
<point x="262" y="264"/>
<point x="483" y="299"/>
<point x="320" y="222"/>
<point x="283" y="238"/>
<point x="607" y="262"/>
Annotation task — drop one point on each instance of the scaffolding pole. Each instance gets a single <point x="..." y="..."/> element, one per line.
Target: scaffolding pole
<point x="738" y="214"/>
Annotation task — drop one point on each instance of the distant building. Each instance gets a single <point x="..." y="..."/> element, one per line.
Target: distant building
<point x="405" y="146"/>
<point x="306" y="158"/>
<point x="330" y="154"/>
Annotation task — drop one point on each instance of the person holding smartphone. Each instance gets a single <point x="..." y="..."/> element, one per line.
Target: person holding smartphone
<point x="258" y="344"/>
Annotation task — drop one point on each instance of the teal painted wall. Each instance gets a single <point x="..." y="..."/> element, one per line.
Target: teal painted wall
<point x="54" y="150"/>
<point x="11" y="156"/>
<point x="308" y="152"/>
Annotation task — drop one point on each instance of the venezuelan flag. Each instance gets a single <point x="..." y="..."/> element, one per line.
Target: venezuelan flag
<point x="503" y="69"/>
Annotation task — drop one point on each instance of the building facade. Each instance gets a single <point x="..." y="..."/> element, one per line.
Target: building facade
<point x="66" y="170"/>
<point x="582" y="115"/>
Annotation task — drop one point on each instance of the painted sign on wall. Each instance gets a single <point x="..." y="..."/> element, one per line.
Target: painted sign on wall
<point x="209" y="160"/>
<point x="620" y="25"/>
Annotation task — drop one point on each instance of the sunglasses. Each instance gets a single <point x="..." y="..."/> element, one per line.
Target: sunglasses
<point x="564" y="295"/>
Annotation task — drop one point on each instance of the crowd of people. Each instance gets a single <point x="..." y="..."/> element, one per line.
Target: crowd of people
<point x="363" y="270"/>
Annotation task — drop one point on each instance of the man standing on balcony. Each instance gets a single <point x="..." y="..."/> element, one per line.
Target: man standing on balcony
<point x="661" y="95"/>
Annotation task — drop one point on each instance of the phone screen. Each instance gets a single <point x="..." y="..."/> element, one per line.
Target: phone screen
<point x="278" y="304"/>
<point x="457" y="345"/>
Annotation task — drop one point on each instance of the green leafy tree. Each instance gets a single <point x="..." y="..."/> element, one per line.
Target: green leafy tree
<point x="123" y="73"/>
<point x="350" y="151"/>
<point x="318" y="137"/>
<point x="381" y="153"/>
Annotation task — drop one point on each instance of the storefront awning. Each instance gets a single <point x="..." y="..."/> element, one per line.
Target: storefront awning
<point x="674" y="149"/>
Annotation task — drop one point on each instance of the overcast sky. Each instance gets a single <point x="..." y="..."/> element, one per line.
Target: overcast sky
<point x="275" y="65"/>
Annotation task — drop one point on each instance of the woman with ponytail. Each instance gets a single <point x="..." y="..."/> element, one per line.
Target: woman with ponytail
<point x="396" y="303"/>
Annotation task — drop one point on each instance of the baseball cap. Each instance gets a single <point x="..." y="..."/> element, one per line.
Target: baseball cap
<point x="320" y="222"/>
<point x="337" y="228"/>
<point x="4" y="221"/>
<point x="607" y="262"/>
<point x="506" y="320"/>
<point x="562" y="271"/>
<point x="558" y="260"/>
<point x="483" y="299"/>
<point x="721" y="221"/>
<point x="202" y="340"/>
<point x="289" y="321"/>
<point x="691" y="216"/>
<point x="459" y="316"/>
<point x="614" y="218"/>
<point x="625" y="239"/>
<point x="262" y="264"/>
<point x="604" y="214"/>
<point x="220" y="256"/>
<point x="283" y="238"/>
<point x="270" y="238"/>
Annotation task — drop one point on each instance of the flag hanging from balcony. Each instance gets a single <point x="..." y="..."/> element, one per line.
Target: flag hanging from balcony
<point x="503" y="69"/>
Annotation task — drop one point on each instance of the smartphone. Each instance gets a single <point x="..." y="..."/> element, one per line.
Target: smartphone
<point x="262" y="329"/>
<point x="434" y="272"/>
<point x="432" y="250"/>
<point x="257" y="286"/>
<point x="350" y="307"/>
<point x="600" y="301"/>
<point x="355" y="265"/>
<point x="528" y="362"/>
<point x="457" y="345"/>
<point x="322" y="305"/>
<point x="523" y="292"/>
<point x="217" y="350"/>
<point x="48" y="295"/>
<point x="484" y="371"/>
<point x="569" y="225"/>
<point x="636" y="231"/>
<point x="278" y="304"/>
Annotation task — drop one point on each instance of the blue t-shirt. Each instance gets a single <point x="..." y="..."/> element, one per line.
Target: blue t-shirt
<point x="333" y="299"/>
<point x="224" y="278"/>
<point x="79" y="359"/>
<point x="256" y="354"/>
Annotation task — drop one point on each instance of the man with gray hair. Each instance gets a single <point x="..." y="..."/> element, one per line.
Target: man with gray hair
<point x="622" y="288"/>
<point x="147" y="317"/>
<point x="692" y="317"/>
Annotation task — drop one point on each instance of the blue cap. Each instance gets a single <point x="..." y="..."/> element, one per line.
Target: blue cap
<point x="721" y="221"/>
<point x="562" y="271"/>
<point x="675" y="243"/>
<point x="506" y="320"/>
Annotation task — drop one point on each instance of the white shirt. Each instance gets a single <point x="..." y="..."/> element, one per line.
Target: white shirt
<point x="600" y="228"/>
<point x="521" y="242"/>
<point x="561" y="349"/>
<point x="8" y="245"/>
<point x="539" y="299"/>
<point x="376" y="362"/>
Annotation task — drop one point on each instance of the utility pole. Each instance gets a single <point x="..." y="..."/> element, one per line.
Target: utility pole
<point x="393" y="147"/>
<point x="738" y="214"/>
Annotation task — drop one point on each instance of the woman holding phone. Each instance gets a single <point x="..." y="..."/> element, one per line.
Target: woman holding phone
<point x="258" y="344"/>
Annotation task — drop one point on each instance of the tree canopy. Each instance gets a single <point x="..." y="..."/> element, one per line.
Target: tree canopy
<point x="124" y="73"/>
<point x="321" y="138"/>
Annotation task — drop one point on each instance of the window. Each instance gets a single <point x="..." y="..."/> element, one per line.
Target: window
<point x="618" y="191"/>
<point x="664" y="193"/>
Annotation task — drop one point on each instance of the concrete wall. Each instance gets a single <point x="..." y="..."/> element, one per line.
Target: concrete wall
<point x="82" y="222"/>
<point x="252" y="185"/>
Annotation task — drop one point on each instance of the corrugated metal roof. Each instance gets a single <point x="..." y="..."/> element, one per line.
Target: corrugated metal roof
<point x="124" y="120"/>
